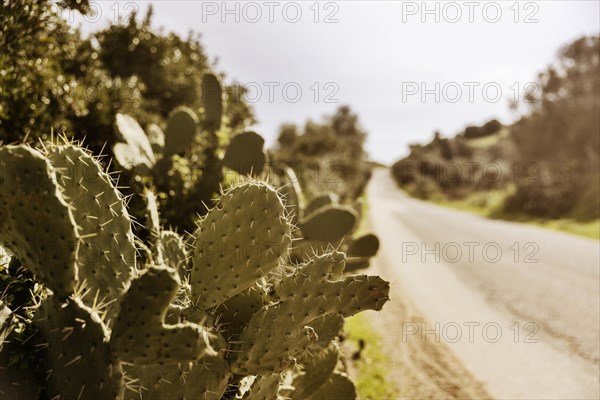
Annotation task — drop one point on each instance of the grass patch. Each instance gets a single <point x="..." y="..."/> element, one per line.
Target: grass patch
<point x="489" y="204"/>
<point x="373" y="367"/>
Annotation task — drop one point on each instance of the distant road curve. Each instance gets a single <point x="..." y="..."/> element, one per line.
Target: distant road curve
<point x="519" y="306"/>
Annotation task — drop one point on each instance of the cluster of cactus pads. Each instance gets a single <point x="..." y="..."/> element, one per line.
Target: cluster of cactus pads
<point x="186" y="163"/>
<point x="153" y="152"/>
<point x="230" y="316"/>
<point x="324" y="223"/>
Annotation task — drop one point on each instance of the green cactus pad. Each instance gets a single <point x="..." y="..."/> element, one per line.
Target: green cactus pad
<point x="270" y="343"/>
<point x="181" y="130"/>
<point x="77" y="359"/>
<point x="136" y="150"/>
<point x="364" y="246"/>
<point x="212" y="100"/>
<point x="338" y="386"/>
<point x="292" y="192"/>
<point x="319" y="283"/>
<point x="152" y="215"/>
<point x="306" y="249"/>
<point x="139" y="333"/>
<point x="356" y="264"/>
<point x="274" y="335"/>
<point x="329" y="223"/>
<point x="175" y="253"/>
<point x="153" y="226"/>
<point x="235" y="313"/>
<point x="317" y="369"/>
<point x="327" y="327"/>
<point x="245" y="154"/>
<point x="156" y="137"/>
<point x="237" y="243"/>
<point x="106" y="256"/>
<point x="205" y="379"/>
<point x="319" y="202"/>
<point x="36" y="224"/>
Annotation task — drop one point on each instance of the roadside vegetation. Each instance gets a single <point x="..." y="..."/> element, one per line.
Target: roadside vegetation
<point x="369" y="361"/>
<point x="542" y="169"/>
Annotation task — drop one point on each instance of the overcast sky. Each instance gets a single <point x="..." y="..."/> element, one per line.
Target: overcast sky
<point x="407" y="68"/>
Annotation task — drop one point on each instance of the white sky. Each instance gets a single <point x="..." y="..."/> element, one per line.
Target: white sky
<point x="376" y="55"/>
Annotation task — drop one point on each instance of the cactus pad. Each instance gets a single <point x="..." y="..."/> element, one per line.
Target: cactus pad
<point x="274" y="335"/>
<point x="212" y="100"/>
<point x="237" y="243"/>
<point x="293" y="195"/>
<point x="338" y="386"/>
<point x="319" y="202"/>
<point x="235" y="313"/>
<point x="181" y="130"/>
<point x="205" y="379"/>
<point x="175" y="253"/>
<point x="36" y="224"/>
<point x="77" y="359"/>
<point x="106" y="256"/>
<point x="327" y="328"/>
<point x="140" y="335"/>
<point x="245" y="154"/>
<point x="317" y="369"/>
<point x="364" y="246"/>
<point x="156" y="137"/>
<point x="329" y="224"/>
<point x="136" y="150"/>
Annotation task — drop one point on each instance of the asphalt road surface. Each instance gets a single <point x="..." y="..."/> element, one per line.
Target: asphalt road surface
<point x="518" y="306"/>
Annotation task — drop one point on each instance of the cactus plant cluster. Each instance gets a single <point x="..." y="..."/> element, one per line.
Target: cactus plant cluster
<point x="184" y="164"/>
<point x="232" y="315"/>
<point x="323" y="222"/>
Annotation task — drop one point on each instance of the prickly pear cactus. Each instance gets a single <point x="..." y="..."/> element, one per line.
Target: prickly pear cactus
<point x="316" y="370"/>
<point x="140" y="334"/>
<point x="156" y="137"/>
<point x="175" y="253"/>
<point x="204" y="379"/>
<point x="30" y="197"/>
<point x="320" y="202"/>
<point x="325" y="224"/>
<point x="280" y="333"/>
<point x="360" y="250"/>
<point x="239" y="242"/>
<point x="338" y="386"/>
<point x="364" y="246"/>
<point x="106" y="256"/>
<point x="329" y="224"/>
<point x="238" y="313"/>
<point x="181" y="130"/>
<point x="245" y="154"/>
<point x="212" y="99"/>
<point x="294" y="199"/>
<point x="78" y="360"/>
<point x="135" y="151"/>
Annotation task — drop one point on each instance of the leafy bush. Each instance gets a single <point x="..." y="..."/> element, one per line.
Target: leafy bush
<point x="552" y="193"/>
<point x="328" y="156"/>
<point x="489" y="128"/>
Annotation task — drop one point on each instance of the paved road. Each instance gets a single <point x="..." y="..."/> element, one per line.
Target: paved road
<point x="518" y="305"/>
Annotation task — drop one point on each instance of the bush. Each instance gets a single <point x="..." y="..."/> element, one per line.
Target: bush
<point x="489" y="128"/>
<point x="549" y="194"/>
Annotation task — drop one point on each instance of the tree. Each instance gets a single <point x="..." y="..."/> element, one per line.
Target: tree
<point x="563" y="121"/>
